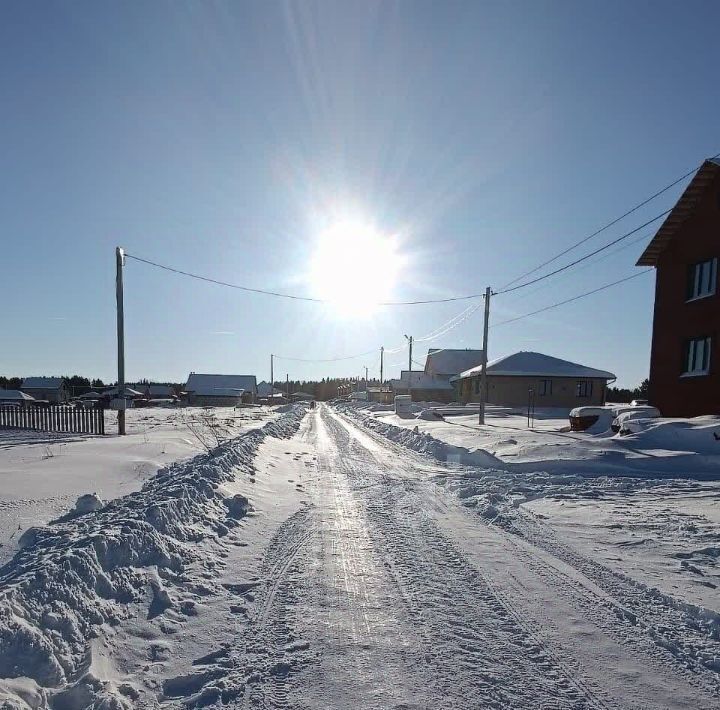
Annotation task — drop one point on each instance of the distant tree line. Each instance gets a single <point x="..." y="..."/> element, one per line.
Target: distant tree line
<point x="77" y="384"/>
<point x="623" y="396"/>
<point x="325" y="389"/>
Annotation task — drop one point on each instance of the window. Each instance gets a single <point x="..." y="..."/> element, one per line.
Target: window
<point x="545" y="388"/>
<point x="584" y="388"/>
<point x="702" y="279"/>
<point x="697" y="356"/>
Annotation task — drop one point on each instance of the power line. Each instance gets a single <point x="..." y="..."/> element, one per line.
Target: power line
<point x="587" y="256"/>
<point x="330" y="359"/>
<point x="609" y="224"/>
<point x="587" y="265"/>
<point x="294" y="297"/>
<point x="570" y="300"/>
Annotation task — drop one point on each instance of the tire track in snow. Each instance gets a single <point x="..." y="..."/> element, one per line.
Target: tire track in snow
<point x="473" y="643"/>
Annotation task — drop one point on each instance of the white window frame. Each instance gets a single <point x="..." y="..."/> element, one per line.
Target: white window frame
<point x="697" y="356"/>
<point x="703" y="279"/>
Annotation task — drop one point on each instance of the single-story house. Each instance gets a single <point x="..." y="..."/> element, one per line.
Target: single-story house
<point x="15" y="396"/>
<point x="512" y="381"/>
<point x="204" y="390"/>
<point x="301" y="396"/>
<point x="91" y="396"/>
<point x="446" y="362"/>
<point x="155" y="391"/>
<point x="130" y="393"/>
<point x="50" y="389"/>
<point x="265" y="390"/>
<point x="423" y="387"/>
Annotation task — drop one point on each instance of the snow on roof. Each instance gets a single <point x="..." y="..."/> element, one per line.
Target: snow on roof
<point x="220" y="385"/>
<point x="42" y="383"/>
<point x="16" y="395"/>
<point x="532" y="364"/>
<point x="451" y="362"/>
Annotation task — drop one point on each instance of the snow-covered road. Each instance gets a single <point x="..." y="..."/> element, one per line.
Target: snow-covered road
<point x="380" y="590"/>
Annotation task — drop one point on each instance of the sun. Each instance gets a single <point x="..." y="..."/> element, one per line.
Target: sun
<point x="354" y="267"/>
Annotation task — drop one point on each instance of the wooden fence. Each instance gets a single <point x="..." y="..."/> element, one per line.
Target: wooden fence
<point x="54" y="417"/>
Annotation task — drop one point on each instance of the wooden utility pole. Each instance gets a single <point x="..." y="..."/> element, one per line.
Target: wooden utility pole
<point x="119" y="259"/>
<point x="287" y="386"/>
<point x="483" y="371"/>
<point x="272" y="377"/>
<point x="366" y="377"/>
<point x="382" y="355"/>
<point x="410" y="341"/>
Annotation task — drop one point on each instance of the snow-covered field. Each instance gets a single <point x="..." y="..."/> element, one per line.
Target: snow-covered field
<point x="42" y="474"/>
<point x="334" y="560"/>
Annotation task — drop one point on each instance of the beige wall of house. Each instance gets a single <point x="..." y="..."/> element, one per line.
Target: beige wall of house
<point x="549" y="391"/>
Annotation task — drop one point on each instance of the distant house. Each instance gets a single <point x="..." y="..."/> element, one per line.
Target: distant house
<point x="220" y="390"/>
<point x="265" y="390"/>
<point x="51" y="389"/>
<point x="684" y="362"/>
<point x="554" y="382"/>
<point x="301" y="396"/>
<point x="423" y="387"/>
<point x="15" y="397"/>
<point x="151" y="391"/>
<point x="447" y="363"/>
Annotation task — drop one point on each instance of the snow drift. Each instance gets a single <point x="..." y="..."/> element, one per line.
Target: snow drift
<point x="75" y="575"/>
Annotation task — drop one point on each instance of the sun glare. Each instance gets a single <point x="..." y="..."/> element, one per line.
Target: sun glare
<point x="354" y="267"/>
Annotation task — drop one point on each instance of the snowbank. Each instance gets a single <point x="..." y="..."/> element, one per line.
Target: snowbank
<point x="424" y="443"/>
<point x="700" y="435"/>
<point x="72" y="577"/>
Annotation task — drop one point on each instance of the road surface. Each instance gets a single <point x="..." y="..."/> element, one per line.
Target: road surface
<point x="383" y="591"/>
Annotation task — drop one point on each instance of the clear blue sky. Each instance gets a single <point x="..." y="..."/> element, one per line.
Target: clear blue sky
<point x="209" y="135"/>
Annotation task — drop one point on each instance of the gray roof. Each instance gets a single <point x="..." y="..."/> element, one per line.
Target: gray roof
<point x="532" y="364"/>
<point x="42" y="383"/>
<point x="451" y="362"/>
<point x="16" y="395"/>
<point x="220" y="385"/>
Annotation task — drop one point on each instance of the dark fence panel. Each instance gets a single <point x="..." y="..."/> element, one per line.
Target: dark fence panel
<point x="54" y="417"/>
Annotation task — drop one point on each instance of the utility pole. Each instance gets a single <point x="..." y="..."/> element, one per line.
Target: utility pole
<point x="382" y="355"/>
<point x="410" y="341"/>
<point x="483" y="371"/>
<point x="366" y="378"/>
<point x="119" y="260"/>
<point x="287" y="386"/>
<point x="272" y="377"/>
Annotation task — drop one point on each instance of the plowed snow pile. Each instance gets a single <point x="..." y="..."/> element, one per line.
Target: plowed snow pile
<point x="71" y="578"/>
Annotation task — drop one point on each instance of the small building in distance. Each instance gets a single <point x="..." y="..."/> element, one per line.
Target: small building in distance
<point x="446" y="363"/>
<point x="685" y="359"/>
<point x="15" y="397"/>
<point x="553" y="382"/>
<point x="49" y="389"/>
<point x="423" y="387"/>
<point x="204" y="390"/>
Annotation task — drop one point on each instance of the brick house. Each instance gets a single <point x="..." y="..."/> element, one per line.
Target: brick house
<point x="553" y="382"/>
<point x="684" y="363"/>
